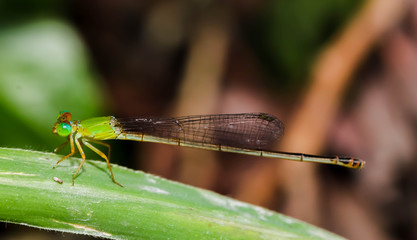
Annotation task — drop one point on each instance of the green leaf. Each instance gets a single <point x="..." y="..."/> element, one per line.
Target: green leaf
<point x="147" y="207"/>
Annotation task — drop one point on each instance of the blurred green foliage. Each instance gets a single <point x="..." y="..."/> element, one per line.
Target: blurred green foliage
<point x="12" y="12"/>
<point x="289" y="34"/>
<point x="43" y="69"/>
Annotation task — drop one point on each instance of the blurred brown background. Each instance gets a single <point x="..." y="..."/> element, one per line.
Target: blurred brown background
<point x="341" y="75"/>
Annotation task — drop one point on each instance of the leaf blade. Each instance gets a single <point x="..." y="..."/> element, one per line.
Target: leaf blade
<point x="147" y="207"/>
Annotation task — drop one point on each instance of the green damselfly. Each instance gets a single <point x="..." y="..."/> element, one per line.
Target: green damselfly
<point x="244" y="133"/>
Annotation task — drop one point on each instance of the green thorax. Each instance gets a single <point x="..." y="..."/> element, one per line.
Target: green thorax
<point x="100" y="128"/>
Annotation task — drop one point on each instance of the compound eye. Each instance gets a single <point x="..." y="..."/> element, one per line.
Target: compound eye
<point x="63" y="129"/>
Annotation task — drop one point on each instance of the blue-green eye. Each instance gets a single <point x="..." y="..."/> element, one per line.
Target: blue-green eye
<point x="63" y="129"/>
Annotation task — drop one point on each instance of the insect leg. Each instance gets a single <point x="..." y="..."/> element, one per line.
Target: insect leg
<point x="71" y="140"/>
<point x="101" y="154"/>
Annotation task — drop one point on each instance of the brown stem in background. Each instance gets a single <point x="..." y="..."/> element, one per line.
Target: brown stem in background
<point x="307" y="130"/>
<point x="200" y="89"/>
